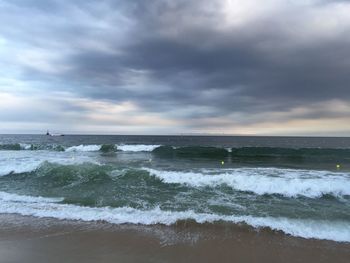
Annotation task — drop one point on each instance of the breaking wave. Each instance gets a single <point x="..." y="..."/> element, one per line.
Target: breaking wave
<point x="50" y="207"/>
<point x="25" y="162"/>
<point x="80" y="148"/>
<point x="84" y="148"/>
<point x="136" y="147"/>
<point x="244" y="153"/>
<point x="112" y="147"/>
<point x="261" y="181"/>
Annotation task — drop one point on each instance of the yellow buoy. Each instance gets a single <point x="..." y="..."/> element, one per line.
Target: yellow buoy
<point x="222" y="162"/>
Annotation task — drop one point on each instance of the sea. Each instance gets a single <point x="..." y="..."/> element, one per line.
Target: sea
<point x="296" y="185"/>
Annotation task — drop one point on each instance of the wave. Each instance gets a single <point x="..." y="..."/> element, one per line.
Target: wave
<point x="288" y="152"/>
<point x="262" y="181"/>
<point x="113" y="147"/>
<point x="80" y="148"/>
<point x="21" y="162"/>
<point x="191" y="152"/>
<point x="15" y="146"/>
<point x="292" y="154"/>
<point x="244" y="153"/>
<point x="8" y="197"/>
<point x="84" y="148"/>
<point x="31" y="147"/>
<point x="18" y="167"/>
<point x="136" y="147"/>
<point x="50" y="207"/>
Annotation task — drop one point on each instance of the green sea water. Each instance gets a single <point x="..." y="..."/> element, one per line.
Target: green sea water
<point x="298" y="185"/>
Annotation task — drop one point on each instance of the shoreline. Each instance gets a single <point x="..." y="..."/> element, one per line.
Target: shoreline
<point x="30" y="239"/>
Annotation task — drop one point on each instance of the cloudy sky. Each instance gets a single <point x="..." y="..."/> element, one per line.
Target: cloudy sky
<point x="272" y="67"/>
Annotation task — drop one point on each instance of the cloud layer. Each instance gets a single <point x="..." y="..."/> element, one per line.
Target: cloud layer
<point x="281" y="67"/>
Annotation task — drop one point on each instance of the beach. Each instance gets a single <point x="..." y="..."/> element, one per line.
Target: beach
<point x="29" y="239"/>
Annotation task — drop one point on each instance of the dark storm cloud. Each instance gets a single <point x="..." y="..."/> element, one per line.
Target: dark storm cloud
<point x="169" y="55"/>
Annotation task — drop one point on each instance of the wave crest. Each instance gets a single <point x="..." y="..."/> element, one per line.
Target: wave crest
<point x="191" y="152"/>
<point x="136" y="147"/>
<point x="84" y="148"/>
<point x="48" y="207"/>
<point x="261" y="181"/>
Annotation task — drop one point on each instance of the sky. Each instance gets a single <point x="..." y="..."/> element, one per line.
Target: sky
<point x="252" y="67"/>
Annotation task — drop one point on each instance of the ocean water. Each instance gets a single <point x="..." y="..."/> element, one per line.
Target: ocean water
<point x="297" y="185"/>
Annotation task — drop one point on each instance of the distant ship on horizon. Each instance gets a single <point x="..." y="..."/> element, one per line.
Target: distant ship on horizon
<point x="53" y="134"/>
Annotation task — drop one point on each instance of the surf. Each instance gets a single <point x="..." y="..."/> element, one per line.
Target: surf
<point x="46" y="207"/>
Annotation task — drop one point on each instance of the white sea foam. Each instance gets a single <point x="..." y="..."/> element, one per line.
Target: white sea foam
<point x="96" y="147"/>
<point x="136" y="147"/>
<point x="84" y="148"/>
<point x="48" y="207"/>
<point x="27" y="161"/>
<point x="121" y="147"/>
<point x="25" y="146"/>
<point x="287" y="182"/>
<point x="17" y="166"/>
<point x="8" y="197"/>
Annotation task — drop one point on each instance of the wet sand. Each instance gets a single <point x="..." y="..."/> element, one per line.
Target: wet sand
<point x="28" y="239"/>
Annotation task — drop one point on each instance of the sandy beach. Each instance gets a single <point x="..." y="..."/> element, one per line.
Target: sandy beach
<point x="28" y="239"/>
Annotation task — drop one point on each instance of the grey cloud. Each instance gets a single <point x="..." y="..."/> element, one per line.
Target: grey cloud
<point x="249" y="69"/>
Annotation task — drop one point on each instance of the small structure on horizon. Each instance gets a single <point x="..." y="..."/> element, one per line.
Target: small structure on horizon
<point x="53" y="134"/>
